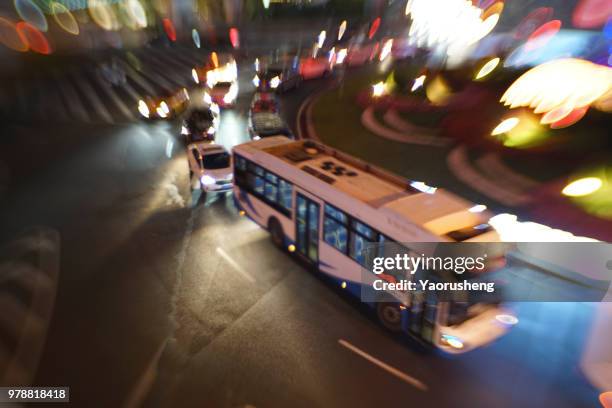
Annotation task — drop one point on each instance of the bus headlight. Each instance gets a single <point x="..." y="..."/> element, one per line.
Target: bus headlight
<point x="256" y="137"/>
<point x="452" y="341"/>
<point x="507" y="319"/>
<point x="184" y="130"/>
<point x="256" y="81"/>
<point x="275" y="82"/>
<point x="207" y="180"/>
<point x="143" y="109"/>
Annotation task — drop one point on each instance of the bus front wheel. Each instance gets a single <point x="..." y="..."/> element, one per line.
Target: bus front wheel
<point x="390" y="316"/>
<point x="276" y="233"/>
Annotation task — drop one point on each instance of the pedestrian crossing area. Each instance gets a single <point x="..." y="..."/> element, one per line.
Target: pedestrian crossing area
<point x="29" y="270"/>
<point x="85" y="94"/>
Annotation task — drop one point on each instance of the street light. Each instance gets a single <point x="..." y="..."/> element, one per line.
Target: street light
<point x="341" y="30"/>
<point x="505" y="126"/>
<point x="582" y="187"/>
<point x="321" y="38"/>
<point x="378" y="89"/>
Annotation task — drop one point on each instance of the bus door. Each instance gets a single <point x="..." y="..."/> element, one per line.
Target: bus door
<point x="423" y="313"/>
<point x="307" y="228"/>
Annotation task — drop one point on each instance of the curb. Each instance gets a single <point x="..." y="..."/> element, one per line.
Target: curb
<point x="305" y="128"/>
<point x="459" y="165"/>
<point x="370" y="123"/>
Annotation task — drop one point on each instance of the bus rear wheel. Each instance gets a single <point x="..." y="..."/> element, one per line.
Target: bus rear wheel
<point x="390" y="315"/>
<point x="276" y="233"/>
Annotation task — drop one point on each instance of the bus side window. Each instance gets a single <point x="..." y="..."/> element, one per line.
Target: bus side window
<point x="254" y="179"/>
<point x="387" y="247"/>
<point x="255" y="183"/>
<point x="240" y="167"/>
<point x="253" y="168"/>
<point x="271" y="189"/>
<point x="364" y="230"/>
<point x="285" y="196"/>
<point x="335" y="231"/>
<point x="241" y="164"/>
<point x="382" y="242"/>
<point x="361" y="235"/>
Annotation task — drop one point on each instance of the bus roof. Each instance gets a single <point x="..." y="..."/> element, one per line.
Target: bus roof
<point x="437" y="211"/>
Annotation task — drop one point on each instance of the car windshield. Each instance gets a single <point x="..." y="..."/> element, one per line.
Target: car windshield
<point x="200" y="121"/>
<point x="200" y="136"/>
<point x="273" y="132"/>
<point x="216" y="160"/>
<point x="223" y="85"/>
<point x="264" y="106"/>
<point x="271" y="73"/>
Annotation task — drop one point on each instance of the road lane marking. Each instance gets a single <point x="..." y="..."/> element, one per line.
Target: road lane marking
<point x="146" y="380"/>
<point x="169" y="146"/>
<point x="190" y="59"/>
<point x="304" y="114"/>
<point x="390" y="369"/>
<point x="90" y="93"/>
<point x="162" y="70"/>
<point x="71" y="98"/>
<point x="57" y="108"/>
<point x="22" y="102"/>
<point x="369" y="121"/>
<point x="137" y="78"/>
<point x="459" y="164"/>
<point x="112" y="95"/>
<point x="41" y="96"/>
<point x="128" y="88"/>
<point x="491" y="165"/>
<point x="233" y="263"/>
<point x="152" y="76"/>
<point x="180" y="73"/>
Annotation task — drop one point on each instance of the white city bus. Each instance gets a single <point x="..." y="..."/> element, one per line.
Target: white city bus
<point x="325" y="206"/>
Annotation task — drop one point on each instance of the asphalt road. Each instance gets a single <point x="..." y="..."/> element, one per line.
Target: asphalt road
<point x="168" y="299"/>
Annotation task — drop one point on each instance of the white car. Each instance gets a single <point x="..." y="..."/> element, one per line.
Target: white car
<point x="210" y="167"/>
